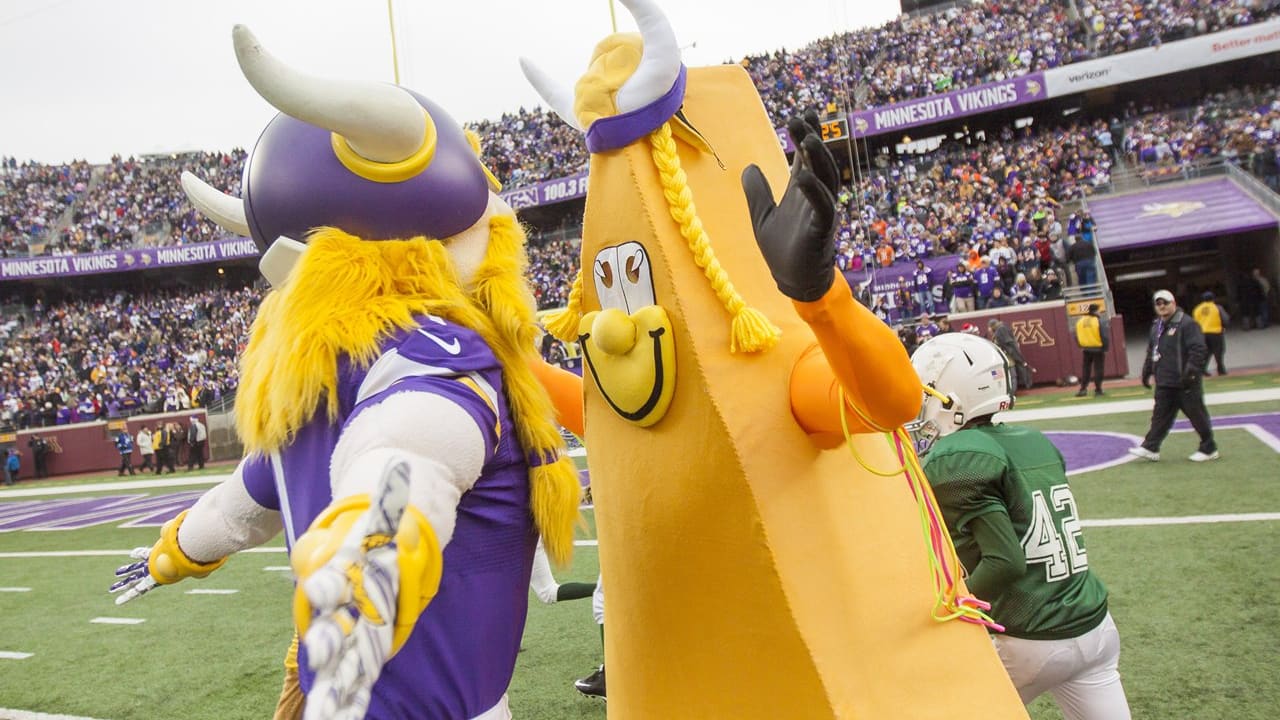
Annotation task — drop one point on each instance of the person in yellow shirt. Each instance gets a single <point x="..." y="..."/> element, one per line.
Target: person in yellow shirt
<point x="1093" y="334"/>
<point x="1213" y="320"/>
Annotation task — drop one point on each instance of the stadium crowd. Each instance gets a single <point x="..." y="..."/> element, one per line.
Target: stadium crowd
<point x="966" y="197"/>
<point x="139" y="202"/>
<point x="33" y="197"/>
<point x="115" y="354"/>
<point x="1240" y="125"/>
<point x="915" y="56"/>
<point x="992" y="202"/>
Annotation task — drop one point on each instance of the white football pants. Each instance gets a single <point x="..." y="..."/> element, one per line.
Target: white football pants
<point x="1082" y="673"/>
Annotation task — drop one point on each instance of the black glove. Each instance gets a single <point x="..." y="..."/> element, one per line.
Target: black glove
<point x="1146" y="381"/>
<point x="797" y="236"/>
<point x="1190" y="378"/>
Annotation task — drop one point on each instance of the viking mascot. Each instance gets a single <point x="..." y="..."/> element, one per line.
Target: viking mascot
<point x="393" y="428"/>
<point x="764" y="557"/>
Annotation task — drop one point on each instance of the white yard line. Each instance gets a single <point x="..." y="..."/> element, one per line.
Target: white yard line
<point x="212" y="591"/>
<point x="108" y="553"/>
<point x="1103" y="522"/>
<point x="1186" y="520"/>
<point x="112" y="486"/>
<point x="10" y="655"/>
<point x="117" y="621"/>
<point x="14" y="589"/>
<point x="1123" y="406"/>
<point x="277" y="568"/>
<point x="8" y="714"/>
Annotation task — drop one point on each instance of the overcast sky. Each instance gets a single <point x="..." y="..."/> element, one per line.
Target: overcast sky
<point x="89" y="78"/>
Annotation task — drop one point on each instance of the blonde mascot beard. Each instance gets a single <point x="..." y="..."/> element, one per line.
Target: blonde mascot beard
<point x="394" y="429"/>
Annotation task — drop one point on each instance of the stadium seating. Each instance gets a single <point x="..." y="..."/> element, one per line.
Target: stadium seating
<point x="966" y="198"/>
<point x="112" y="355"/>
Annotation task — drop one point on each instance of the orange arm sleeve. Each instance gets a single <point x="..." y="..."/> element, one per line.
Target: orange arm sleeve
<point x="857" y="352"/>
<point x="565" y="390"/>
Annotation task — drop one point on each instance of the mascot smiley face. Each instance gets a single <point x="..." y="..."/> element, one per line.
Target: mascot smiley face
<point x="628" y="344"/>
<point x="715" y="479"/>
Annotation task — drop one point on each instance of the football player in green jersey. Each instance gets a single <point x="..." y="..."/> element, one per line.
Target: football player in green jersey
<point x="1004" y="495"/>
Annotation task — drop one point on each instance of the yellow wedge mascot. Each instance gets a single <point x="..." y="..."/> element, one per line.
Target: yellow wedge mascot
<point x="754" y="570"/>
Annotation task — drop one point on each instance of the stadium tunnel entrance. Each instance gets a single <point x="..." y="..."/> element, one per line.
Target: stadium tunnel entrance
<point x="1189" y="268"/>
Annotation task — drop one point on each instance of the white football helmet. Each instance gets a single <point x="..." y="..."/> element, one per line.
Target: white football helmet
<point x="972" y="374"/>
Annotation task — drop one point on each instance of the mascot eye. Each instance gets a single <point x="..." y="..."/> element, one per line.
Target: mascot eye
<point x="633" y="267"/>
<point x="637" y="280"/>
<point x="629" y="290"/>
<point x="604" y="271"/>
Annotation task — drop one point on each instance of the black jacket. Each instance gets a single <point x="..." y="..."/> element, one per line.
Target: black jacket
<point x="1003" y="337"/>
<point x="1181" y="350"/>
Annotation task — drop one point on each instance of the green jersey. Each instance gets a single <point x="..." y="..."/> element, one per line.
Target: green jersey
<point x="1018" y="472"/>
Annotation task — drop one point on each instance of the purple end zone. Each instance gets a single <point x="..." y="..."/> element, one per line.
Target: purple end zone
<point x="1269" y="423"/>
<point x="1085" y="451"/>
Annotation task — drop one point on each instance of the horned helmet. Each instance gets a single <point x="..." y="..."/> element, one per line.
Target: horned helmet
<point x="375" y="160"/>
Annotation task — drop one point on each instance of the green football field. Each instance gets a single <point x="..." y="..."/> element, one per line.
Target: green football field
<point x="1188" y="552"/>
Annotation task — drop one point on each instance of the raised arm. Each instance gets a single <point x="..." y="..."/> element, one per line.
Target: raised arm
<point x="859" y="354"/>
<point x="856" y="352"/>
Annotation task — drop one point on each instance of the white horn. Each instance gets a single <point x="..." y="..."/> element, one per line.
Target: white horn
<point x="225" y="210"/>
<point x="559" y="97"/>
<point x="660" y="63"/>
<point x="381" y="122"/>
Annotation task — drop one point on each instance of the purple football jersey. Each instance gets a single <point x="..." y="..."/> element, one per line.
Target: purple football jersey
<point x="460" y="657"/>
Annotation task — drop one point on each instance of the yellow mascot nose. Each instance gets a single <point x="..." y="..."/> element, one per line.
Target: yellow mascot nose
<point x="614" y="332"/>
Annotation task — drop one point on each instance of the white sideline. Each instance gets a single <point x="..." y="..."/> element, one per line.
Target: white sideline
<point x="9" y="714"/>
<point x="1100" y="522"/>
<point x="1053" y="413"/>
<point x="110" y="486"/>
<point x="1123" y="406"/>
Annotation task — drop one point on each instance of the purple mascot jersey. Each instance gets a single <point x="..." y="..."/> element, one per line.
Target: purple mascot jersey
<point x="458" y="661"/>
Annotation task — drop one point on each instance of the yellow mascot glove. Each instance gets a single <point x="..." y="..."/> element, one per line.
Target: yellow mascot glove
<point x="168" y="564"/>
<point x="418" y="560"/>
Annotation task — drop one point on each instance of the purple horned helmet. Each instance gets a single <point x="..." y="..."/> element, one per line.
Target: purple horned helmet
<point x="373" y="159"/>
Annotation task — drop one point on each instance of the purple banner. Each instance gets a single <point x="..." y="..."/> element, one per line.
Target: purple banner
<point x="1185" y="212"/>
<point x="547" y="193"/>
<point x="883" y="281"/>
<point x="127" y="260"/>
<point x="947" y="106"/>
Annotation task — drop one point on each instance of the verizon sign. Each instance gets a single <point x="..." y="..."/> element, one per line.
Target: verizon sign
<point x="1219" y="47"/>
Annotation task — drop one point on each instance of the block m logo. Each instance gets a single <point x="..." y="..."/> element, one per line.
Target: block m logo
<point x="1032" y="332"/>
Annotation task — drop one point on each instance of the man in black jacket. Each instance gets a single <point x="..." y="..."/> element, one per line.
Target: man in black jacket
<point x="1176" y="358"/>
<point x="1000" y="334"/>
